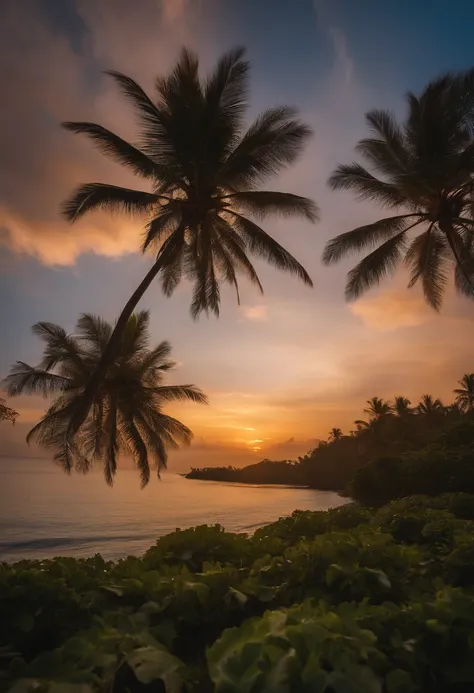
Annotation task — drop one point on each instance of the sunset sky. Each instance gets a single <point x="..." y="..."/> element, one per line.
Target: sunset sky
<point x="282" y="369"/>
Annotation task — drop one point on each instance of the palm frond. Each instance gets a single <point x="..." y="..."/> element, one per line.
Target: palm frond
<point x="159" y="228"/>
<point x="156" y="361"/>
<point x="387" y="151"/>
<point x="136" y="335"/>
<point x="235" y="247"/>
<point x="364" y="237"/>
<point x="95" y="330"/>
<point x="426" y="256"/>
<point x="25" y="379"/>
<point x="273" y="141"/>
<point x="263" y="202"/>
<point x="135" y="444"/>
<point x="111" y="198"/>
<point x="262" y="244"/>
<point x="356" y="178"/>
<point x="180" y="392"/>
<point x="60" y="346"/>
<point x="464" y="272"/>
<point x="206" y="293"/>
<point x="147" y="111"/>
<point x="226" y="99"/>
<point x="375" y="266"/>
<point x="110" y="447"/>
<point x="125" y="153"/>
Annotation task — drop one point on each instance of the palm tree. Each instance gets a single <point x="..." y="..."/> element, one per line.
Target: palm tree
<point x="402" y="407"/>
<point x="126" y="415"/>
<point x="7" y="414"/>
<point x="465" y="394"/>
<point x="426" y="166"/>
<point x="430" y="406"/>
<point x="377" y="408"/>
<point x="204" y="170"/>
<point x="335" y="434"/>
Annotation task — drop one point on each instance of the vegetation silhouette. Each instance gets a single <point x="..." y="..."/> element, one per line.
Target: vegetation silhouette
<point x="127" y="412"/>
<point x="465" y="394"/>
<point x="7" y="414"/>
<point x="392" y="429"/>
<point x="425" y="166"/>
<point x="204" y="172"/>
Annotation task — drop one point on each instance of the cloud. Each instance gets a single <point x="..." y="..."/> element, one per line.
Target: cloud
<point x="173" y="9"/>
<point x="256" y="312"/>
<point x="392" y="310"/>
<point x="49" y="81"/>
<point x="343" y="59"/>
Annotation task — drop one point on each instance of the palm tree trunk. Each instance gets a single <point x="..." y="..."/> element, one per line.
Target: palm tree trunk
<point x="111" y="350"/>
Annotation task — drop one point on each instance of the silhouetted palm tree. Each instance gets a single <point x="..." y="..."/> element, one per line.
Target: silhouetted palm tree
<point x="426" y="166"/>
<point x="377" y="408"/>
<point x="7" y="414"/>
<point x="430" y="406"/>
<point x="402" y="407"/>
<point x="465" y="394"/>
<point x="126" y="415"/>
<point x="204" y="170"/>
<point x="335" y="434"/>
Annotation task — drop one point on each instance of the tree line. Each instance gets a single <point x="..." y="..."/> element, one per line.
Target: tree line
<point x="391" y="428"/>
<point x="204" y="168"/>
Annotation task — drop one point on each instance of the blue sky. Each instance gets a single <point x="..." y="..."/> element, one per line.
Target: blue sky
<point x="281" y="369"/>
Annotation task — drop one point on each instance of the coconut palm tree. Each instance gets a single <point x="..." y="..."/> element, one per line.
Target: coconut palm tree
<point x="204" y="171"/>
<point x="465" y="394"/>
<point x="430" y="406"/>
<point x="7" y="414"/>
<point x="335" y="434"/>
<point x="402" y="407"/>
<point x="127" y="412"/>
<point x="423" y="171"/>
<point x="377" y="408"/>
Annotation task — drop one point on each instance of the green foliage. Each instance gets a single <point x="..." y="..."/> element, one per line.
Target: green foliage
<point x="345" y="600"/>
<point x="446" y="465"/>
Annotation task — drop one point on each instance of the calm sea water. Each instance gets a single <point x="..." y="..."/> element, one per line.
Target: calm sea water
<point x="44" y="512"/>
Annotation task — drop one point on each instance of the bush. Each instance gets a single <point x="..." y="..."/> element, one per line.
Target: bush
<point x="349" y="598"/>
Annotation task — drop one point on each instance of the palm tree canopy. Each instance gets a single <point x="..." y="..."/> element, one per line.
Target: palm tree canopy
<point x="204" y="170"/>
<point x="127" y="412"/>
<point x="401" y="406"/>
<point x="423" y="171"/>
<point x="465" y="394"/>
<point x="377" y="408"/>
<point x="429" y="405"/>
<point x="335" y="434"/>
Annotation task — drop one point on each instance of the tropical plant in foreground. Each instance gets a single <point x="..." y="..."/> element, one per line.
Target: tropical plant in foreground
<point x="423" y="171"/>
<point x="127" y="411"/>
<point x="7" y="414"/>
<point x="204" y="170"/>
<point x="465" y="394"/>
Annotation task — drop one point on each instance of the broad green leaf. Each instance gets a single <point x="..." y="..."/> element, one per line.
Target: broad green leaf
<point x="153" y="664"/>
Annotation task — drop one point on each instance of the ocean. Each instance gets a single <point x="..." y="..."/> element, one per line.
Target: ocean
<point x="45" y="513"/>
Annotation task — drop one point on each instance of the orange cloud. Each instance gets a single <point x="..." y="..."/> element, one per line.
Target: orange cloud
<point x="392" y="310"/>
<point x="256" y="312"/>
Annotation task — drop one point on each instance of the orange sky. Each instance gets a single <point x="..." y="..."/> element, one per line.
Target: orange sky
<point x="283" y="369"/>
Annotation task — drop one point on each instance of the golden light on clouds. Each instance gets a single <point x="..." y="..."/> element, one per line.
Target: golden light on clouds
<point x="257" y="312"/>
<point x="391" y="310"/>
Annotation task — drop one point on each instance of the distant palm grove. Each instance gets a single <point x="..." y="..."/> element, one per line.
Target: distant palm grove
<point x="203" y="168"/>
<point x="389" y="431"/>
